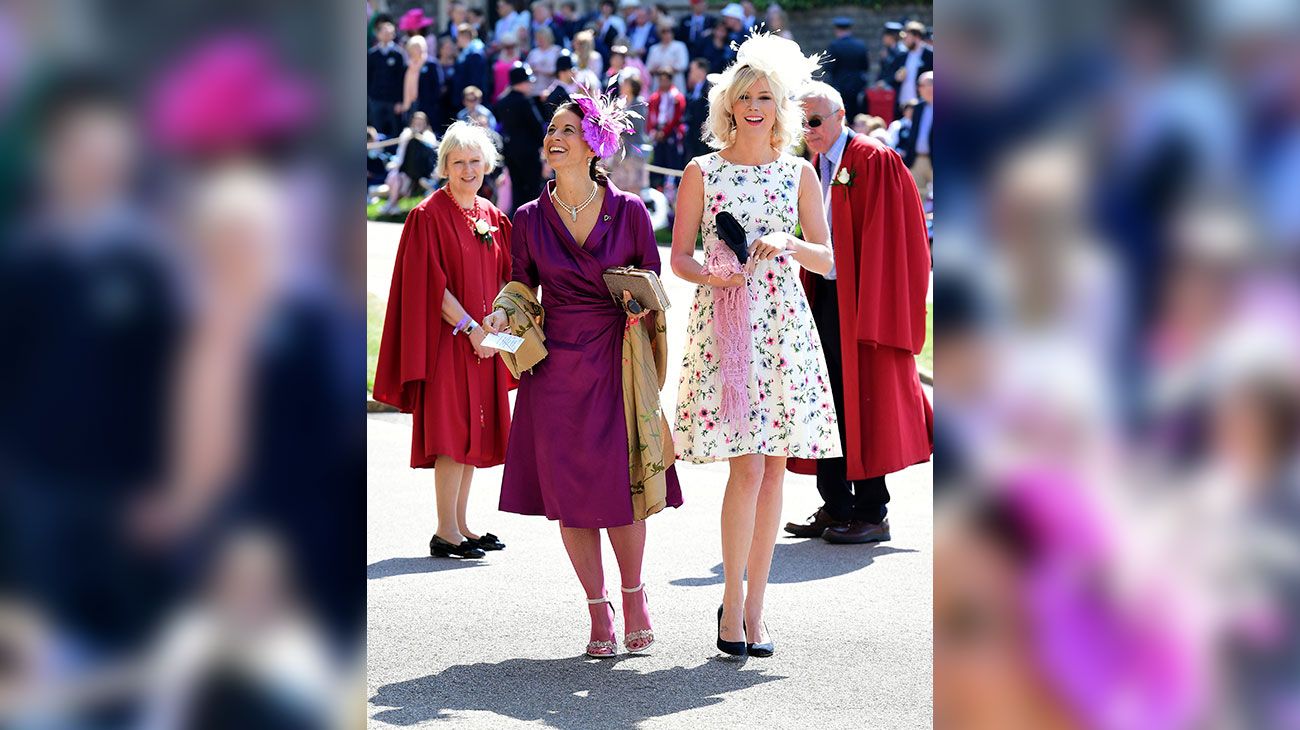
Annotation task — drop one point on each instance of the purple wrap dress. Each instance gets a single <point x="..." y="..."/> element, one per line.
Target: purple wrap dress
<point x="567" y="453"/>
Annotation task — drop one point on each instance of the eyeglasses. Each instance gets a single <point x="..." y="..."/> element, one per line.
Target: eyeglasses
<point x="816" y="121"/>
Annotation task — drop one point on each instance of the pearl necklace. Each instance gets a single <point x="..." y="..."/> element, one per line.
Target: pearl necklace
<point x="573" y="211"/>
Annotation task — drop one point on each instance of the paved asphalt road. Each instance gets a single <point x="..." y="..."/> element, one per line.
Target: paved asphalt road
<point x="497" y="643"/>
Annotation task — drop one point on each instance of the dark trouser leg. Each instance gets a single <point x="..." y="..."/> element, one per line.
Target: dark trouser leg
<point x="525" y="184"/>
<point x="831" y="481"/>
<point x="383" y="117"/>
<point x="870" y="497"/>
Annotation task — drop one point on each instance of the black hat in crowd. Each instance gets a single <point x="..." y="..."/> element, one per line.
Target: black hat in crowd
<point x="842" y="22"/>
<point x="565" y="61"/>
<point x="521" y="72"/>
<point x="894" y="27"/>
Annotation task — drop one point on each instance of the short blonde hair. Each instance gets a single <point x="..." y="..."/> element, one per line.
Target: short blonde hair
<point x="463" y="135"/>
<point x="417" y="41"/>
<point x="720" y="127"/>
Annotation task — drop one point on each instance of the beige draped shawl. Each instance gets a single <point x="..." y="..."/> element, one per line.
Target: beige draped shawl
<point x="649" y="439"/>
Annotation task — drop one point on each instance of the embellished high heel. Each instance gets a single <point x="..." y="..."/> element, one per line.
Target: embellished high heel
<point x="647" y="635"/>
<point x="602" y="649"/>
<point x="734" y="648"/>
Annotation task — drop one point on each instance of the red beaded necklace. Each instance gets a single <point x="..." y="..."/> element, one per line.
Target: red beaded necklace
<point x="469" y="219"/>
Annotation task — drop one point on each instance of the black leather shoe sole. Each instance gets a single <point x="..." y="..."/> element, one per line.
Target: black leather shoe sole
<point x="840" y="539"/>
<point x="804" y="530"/>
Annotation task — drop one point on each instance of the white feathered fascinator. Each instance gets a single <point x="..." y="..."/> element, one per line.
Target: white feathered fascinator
<point x="777" y="58"/>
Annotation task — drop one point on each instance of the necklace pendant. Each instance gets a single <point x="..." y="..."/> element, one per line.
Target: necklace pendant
<point x="574" y="215"/>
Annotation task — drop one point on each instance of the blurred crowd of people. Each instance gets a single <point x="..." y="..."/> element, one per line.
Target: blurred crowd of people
<point x="179" y="451"/>
<point x="1117" y="370"/>
<point x="511" y="73"/>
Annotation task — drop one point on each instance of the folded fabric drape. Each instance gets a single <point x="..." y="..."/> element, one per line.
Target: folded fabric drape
<point x="526" y="316"/>
<point x="649" y="439"/>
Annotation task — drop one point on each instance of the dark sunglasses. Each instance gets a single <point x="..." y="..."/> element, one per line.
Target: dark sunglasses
<point x="815" y="121"/>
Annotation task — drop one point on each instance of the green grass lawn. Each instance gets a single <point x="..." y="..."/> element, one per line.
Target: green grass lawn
<point x="374" y="326"/>
<point x="404" y="206"/>
<point x="925" y="360"/>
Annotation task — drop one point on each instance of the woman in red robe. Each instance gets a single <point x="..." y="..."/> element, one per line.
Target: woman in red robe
<point x="453" y="258"/>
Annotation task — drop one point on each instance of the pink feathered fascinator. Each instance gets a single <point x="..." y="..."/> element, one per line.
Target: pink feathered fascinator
<point x="605" y="119"/>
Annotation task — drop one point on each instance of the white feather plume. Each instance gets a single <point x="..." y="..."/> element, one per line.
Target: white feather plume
<point x="779" y="58"/>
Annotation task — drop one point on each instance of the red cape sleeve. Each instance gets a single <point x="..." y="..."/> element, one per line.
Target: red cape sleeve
<point x="894" y="251"/>
<point x="411" y="325"/>
<point x="503" y="246"/>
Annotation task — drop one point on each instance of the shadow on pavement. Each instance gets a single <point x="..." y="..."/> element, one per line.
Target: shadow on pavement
<point x="805" y="560"/>
<point x="406" y="566"/>
<point x="569" y="693"/>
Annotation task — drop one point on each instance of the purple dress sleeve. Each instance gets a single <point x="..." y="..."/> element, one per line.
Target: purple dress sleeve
<point x="522" y="267"/>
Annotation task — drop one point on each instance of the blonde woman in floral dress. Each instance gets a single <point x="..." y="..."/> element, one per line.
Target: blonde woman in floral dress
<point x="754" y="388"/>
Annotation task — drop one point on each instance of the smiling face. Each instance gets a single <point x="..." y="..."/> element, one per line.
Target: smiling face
<point x="754" y="109"/>
<point x="564" y="145"/>
<point x="465" y="170"/>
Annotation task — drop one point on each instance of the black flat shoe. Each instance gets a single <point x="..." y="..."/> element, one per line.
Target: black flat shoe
<point x="734" y="648"/>
<point x="440" y="548"/>
<point x="488" y="541"/>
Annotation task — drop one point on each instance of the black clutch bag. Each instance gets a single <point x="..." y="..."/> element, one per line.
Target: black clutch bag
<point x="733" y="234"/>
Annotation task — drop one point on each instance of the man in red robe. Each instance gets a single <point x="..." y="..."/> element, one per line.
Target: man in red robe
<point x="870" y="314"/>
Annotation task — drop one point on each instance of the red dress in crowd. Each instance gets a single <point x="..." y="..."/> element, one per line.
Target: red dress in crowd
<point x="459" y="405"/>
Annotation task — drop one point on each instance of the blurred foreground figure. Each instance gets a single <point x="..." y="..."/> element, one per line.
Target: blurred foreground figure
<point x="245" y="654"/>
<point x="90" y="317"/>
<point x="1112" y="198"/>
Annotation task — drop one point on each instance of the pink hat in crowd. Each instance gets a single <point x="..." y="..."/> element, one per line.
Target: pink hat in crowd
<point x="414" y="20"/>
<point x="229" y="94"/>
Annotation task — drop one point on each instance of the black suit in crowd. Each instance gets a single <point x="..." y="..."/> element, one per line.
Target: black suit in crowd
<point x="697" y="112"/>
<point x="93" y="332"/>
<point x="429" y="92"/>
<point x="522" y="129"/>
<point x="847" y="71"/>
<point x="385" y="68"/>
<point x="900" y="61"/>
<point x="696" y="32"/>
<point x="888" y="63"/>
<point x="909" y="136"/>
<point x="559" y="95"/>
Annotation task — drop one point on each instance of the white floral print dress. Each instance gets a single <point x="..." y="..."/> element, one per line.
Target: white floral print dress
<point x="790" y="408"/>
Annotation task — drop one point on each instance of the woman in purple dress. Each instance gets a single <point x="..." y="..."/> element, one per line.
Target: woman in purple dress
<point x="567" y="456"/>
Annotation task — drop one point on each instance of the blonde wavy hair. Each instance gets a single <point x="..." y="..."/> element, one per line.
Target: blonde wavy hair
<point x="720" y="128"/>
<point x="463" y="135"/>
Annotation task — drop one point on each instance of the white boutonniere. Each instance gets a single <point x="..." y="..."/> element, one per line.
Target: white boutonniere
<point x="844" y="177"/>
<point x="484" y="230"/>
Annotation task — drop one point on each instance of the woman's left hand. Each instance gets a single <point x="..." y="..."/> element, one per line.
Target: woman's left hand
<point x="770" y="246"/>
<point x="633" y="318"/>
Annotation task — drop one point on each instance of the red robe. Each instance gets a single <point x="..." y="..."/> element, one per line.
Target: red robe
<point x="459" y="405"/>
<point x="882" y="262"/>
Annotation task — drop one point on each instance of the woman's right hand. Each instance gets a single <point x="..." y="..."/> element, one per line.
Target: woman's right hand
<point x="496" y="322"/>
<point x="727" y="282"/>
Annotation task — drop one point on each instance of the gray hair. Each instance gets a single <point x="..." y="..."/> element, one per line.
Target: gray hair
<point x="463" y="135"/>
<point x="821" y="90"/>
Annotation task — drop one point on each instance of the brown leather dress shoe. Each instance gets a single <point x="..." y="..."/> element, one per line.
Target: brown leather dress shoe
<point x="857" y="531"/>
<point x="817" y="524"/>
